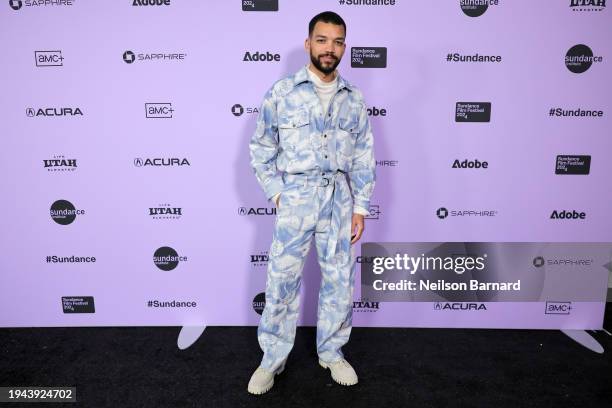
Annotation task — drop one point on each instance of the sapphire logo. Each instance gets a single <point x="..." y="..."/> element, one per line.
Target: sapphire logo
<point x="538" y="261"/>
<point x="15" y="4"/>
<point x="129" y="57"/>
<point x="442" y="213"/>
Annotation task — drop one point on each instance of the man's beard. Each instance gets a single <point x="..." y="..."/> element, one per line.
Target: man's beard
<point x="325" y="69"/>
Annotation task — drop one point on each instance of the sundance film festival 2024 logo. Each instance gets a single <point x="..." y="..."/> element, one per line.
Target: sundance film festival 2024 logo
<point x="259" y="5"/>
<point x="368" y="57"/>
<point x="473" y="112"/>
<point x="573" y="164"/>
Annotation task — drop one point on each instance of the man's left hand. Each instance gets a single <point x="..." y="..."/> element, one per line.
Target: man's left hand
<point x="357" y="226"/>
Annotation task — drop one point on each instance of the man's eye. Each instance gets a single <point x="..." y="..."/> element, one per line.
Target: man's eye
<point x="320" y="41"/>
<point x="339" y="43"/>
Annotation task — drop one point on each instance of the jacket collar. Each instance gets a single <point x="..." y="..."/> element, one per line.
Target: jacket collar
<point x="302" y="76"/>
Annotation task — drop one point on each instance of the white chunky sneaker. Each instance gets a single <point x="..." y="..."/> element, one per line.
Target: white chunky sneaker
<point x="262" y="379"/>
<point x="341" y="371"/>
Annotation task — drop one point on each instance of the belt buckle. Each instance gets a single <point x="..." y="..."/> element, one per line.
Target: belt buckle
<point x="326" y="180"/>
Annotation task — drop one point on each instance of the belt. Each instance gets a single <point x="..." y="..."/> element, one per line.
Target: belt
<point x="322" y="179"/>
<point x="313" y="178"/>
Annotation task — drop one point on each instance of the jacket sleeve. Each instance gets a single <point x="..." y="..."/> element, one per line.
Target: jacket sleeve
<point x="263" y="147"/>
<point x="362" y="175"/>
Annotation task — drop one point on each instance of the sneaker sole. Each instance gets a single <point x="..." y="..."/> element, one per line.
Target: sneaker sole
<point x="325" y="366"/>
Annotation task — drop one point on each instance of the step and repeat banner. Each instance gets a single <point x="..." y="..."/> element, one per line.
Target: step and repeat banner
<point x="128" y="193"/>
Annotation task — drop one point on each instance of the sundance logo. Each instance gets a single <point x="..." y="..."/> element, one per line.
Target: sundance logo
<point x="579" y="58"/>
<point x="157" y="162"/>
<point x="476" y="8"/>
<point x="47" y="112"/>
<point x="567" y="215"/>
<point x="166" y="258"/>
<point x="443" y="213"/>
<point x="63" y="212"/>
<point x="459" y="306"/>
<point x="260" y="57"/>
<point x="259" y="303"/>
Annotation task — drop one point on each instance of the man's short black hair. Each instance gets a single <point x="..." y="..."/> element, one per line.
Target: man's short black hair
<point x="326" y="17"/>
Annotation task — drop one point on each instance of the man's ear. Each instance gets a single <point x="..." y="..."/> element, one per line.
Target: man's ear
<point x="307" y="44"/>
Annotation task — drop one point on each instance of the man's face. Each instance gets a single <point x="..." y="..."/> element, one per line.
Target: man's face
<point x="326" y="46"/>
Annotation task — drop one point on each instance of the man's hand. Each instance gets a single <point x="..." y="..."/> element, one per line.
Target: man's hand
<point x="357" y="227"/>
<point x="277" y="198"/>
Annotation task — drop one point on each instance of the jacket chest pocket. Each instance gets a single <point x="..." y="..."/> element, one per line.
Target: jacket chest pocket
<point x="346" y="136"/>
<point x="294" y="130"/>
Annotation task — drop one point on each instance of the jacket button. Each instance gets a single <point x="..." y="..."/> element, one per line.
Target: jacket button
<point x="324" y="135"/>
<point x="326" y="156"/>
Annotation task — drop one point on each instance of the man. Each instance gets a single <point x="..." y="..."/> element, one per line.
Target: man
<point x="312" y="133"/>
